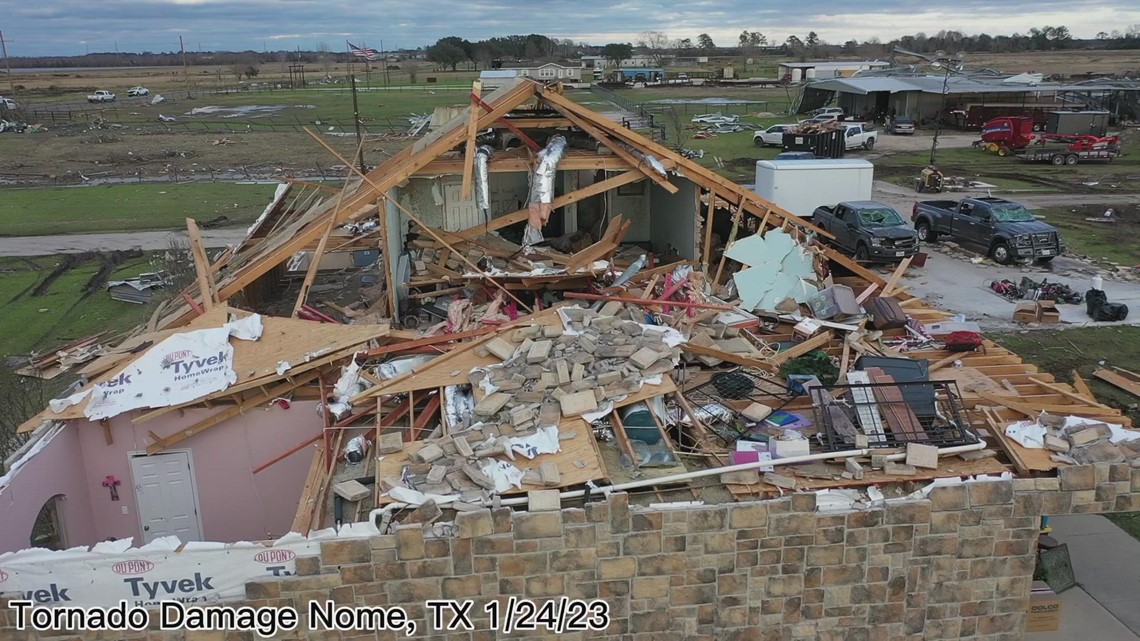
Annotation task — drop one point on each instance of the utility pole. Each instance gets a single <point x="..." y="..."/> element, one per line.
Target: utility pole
<point x="7" y="66"/>
<point x="356" y="121"/>
<point x="185" y="68"/>
<point x="384" y="59"/>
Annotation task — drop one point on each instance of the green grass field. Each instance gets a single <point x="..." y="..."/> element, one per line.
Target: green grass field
<point x="63" y="313"/>
<point x="1099" y="241"/>
<point x="1060" y="352"/>
<point x="42" y="211"/>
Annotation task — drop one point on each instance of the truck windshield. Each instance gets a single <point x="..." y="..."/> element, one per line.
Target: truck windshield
<point x="880" y="218"/>
<point x="1011" y="213"/>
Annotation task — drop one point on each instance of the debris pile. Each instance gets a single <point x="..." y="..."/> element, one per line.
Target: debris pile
<point x="673" y="327"/>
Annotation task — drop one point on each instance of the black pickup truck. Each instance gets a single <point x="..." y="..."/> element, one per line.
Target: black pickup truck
<point x="867" y="230"/>
<point x="1005" y="229"/>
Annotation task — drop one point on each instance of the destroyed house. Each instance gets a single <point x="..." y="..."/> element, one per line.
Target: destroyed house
<point x="562" y="324"/>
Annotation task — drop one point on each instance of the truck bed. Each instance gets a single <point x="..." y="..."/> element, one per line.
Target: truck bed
<point x="949" y="205"/>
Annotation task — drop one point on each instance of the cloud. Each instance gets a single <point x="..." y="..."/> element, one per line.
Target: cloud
<point x="135" y="25"/>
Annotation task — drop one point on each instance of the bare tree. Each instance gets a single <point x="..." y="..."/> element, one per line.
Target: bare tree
<point x="411" y="67"/>
<point x="23" y="398"/>
<point x="656" y="45"/>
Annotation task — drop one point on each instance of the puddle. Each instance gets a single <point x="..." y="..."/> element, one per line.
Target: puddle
<point x="249" y="111"/>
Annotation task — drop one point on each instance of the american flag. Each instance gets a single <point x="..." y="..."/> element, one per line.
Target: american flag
<point x="362" y="52"/>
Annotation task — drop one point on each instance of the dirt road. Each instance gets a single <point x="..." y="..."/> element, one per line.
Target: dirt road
<point x="77" y="243"/>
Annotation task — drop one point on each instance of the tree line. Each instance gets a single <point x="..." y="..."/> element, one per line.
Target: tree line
<point x="452" y="51"/>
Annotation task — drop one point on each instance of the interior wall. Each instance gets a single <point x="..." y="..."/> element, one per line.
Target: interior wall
<point x="234" y="503"/>
<point x="56" y="469"/>
<point x="675" y="218"/>
<point x="633" y="204"/>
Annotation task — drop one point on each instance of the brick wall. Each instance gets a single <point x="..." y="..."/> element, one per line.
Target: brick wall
<point x="956" y="565"/>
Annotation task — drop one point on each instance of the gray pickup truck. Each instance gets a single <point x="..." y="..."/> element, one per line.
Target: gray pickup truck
<point x="867" y="230"/>
<point x="1005" y="229"/>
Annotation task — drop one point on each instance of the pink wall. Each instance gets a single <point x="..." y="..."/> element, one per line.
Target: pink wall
<point x="56" y="469"/>
<point x="235" y="504"/>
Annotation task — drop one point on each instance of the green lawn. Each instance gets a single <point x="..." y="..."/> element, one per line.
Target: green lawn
<point x="1099" y="241"/>
<point x="1059" y="352"/>
<point x="41" y="211"/>
<point x="63" y="313"/>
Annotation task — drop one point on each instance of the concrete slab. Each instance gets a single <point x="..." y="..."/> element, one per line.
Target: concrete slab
<point x="1083" y="618"/>
<point x="1106" y="563"/>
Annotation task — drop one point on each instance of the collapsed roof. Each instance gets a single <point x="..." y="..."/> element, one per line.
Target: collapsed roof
<point x="764" y="347"/>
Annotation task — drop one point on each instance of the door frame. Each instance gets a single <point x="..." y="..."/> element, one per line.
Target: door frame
<point x="133" y="454"/>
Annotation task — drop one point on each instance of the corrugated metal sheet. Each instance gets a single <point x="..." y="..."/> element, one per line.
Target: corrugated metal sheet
<point x="927" y="84"/>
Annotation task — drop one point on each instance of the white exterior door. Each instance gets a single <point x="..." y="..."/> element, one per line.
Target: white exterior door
<point x="165" y="495"/>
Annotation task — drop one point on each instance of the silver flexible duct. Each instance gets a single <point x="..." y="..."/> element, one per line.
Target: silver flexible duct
<point x="542" y="189"/>
<point x="482" y="184"/>
<point x="652" y="161"/>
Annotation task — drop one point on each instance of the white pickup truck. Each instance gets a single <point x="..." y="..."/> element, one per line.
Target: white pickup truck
<point x="101" y="95"/>
<point x="861" y="135"/>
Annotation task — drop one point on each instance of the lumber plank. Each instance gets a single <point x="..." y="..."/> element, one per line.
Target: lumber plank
<point x="708" y="231"/>
<point x="201" y="266"/>
<point x="314" y="267"/>
<point x="472" y="130"/>
<point x="226" y="414"/>
<point x="1087" y="400"/>
<point x="618" y="149"/>
<point x="1116" y="380"/>
<point x="815" y="342"/>
<point x="1081" y="386"/>
<point x="889" y="288"/>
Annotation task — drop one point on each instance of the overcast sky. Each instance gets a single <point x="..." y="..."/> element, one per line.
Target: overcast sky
<point x="67" y="27"/>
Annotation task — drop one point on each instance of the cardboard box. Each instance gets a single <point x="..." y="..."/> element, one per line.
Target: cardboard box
<point x="1025" y="312"/>
<point x="1044" y="613"/>
<point x="1047" y="312"/>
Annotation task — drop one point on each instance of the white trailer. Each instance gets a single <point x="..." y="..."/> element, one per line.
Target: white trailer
<point x="800" y="186"/>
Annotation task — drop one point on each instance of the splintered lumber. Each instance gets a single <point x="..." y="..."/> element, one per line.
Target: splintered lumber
<point x="818" y="341"/>
<point x="1033" y="410"/>
<point x="224" y="415"/>
<point x="387" y="175"/>
<point x="624" y="178"/>
<point x="889" y="288"/>
<point x="1024" y="460"/>
<point x="643" y="301"/>
<point x="302" y="521"/>
<point x="411" y="216"/>
<point x="731" y="239"/>
<point x="731" y="357"/>
<point x="201" y="266"/>
<point x="618" y="149"/>
<point x="1087" y="400"/>
<point x="314" y="265"/>
<point x="708" y="231"/>
<point x="472" y="130"/>
<point x="1081" y="386"/>
<point x="1118" y="380"/>
<point x="897" y="413"/>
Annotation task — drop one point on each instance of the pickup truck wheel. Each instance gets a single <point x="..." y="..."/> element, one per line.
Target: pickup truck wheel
<point x="862" y="253"/>
<point x="869" y="145"/>
<point x="1002" y="254"/>
<point x="925" y="233"/>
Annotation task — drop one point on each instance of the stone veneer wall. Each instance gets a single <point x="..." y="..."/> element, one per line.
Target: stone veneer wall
<point x="957" y="565"/>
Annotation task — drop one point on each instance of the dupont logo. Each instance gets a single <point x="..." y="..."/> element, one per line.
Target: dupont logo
<point x="275" y="556"/>
<point x="3" y="576"/>
<point x="134" y="566"/>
